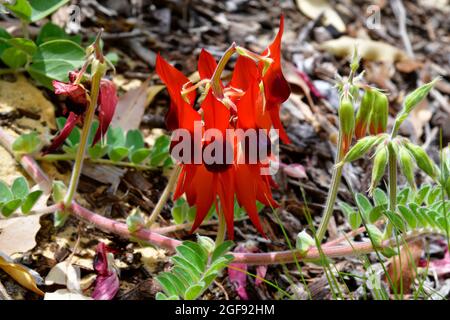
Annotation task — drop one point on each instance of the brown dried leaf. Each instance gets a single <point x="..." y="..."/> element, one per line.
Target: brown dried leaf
<point x="314" y="8"/>
<point x="368" y="49"/>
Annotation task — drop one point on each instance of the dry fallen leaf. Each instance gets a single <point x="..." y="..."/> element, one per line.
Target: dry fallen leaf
<point x="18" y="234"/>
<point x="65" y="273"/>
<point x="131" y="107"/>
<point x="368" y="49"/>
<point x="20" y="273"/>
<point x="403" y="269"/>
<point x="314" y="8"/>
<point x="420" y="116"/>
<point x="31" y="100"/>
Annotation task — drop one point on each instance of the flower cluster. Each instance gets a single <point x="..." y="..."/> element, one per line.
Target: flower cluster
<point x="249" y="101"/>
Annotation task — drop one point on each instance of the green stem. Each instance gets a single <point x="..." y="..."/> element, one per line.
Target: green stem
<point x="392" y="187"/>
<point x="108" y="162"/>
<point x="164" y="196"/>
<point x="83" y="140"/>
<point x="24" y="25"/>
<point x="221" y="229"/>
<point x="332" y="194"/>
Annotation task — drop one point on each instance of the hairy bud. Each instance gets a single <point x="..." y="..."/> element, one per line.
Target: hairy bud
<point x="422" y="159"/>
<point x="380" y="112"/>
<point x="379" y="166"/>
<point x="406" y="165"/>
<point x="363" y="146"/>
<point x="363" y="114"/>
<point x="347" y="123"/>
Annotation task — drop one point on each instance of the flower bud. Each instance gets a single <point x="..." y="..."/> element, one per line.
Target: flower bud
<point x="363" y="146"/>
<point x="347" y="123"/>
<point x="406" y="165"/>
<point x="363" y="114"/>
<point x="379" y="166"/>
<point x="415" y="97"/>
<point x="422" y="159"/>
<point x="379" y="115"/>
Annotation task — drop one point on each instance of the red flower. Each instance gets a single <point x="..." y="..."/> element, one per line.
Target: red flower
<point x="77" y="102"/>
<point x="207" y="184"/>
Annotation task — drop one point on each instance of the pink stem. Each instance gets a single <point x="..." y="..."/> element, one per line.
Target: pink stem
<point x="121" y="229"/>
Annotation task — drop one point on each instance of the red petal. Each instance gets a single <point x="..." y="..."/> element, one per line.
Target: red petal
<point x="76" y="92"/>
<point x="275" y="116"/>
<point x="183" y="115"/>
<point x="225" y="191"/>
<point x="245" y="72"/>
<point x="205" y="184"/>
<point x="216" y="115"/>
<point x="206" y="65"/>
<point x="107" y="105"/>
<point x="247" y="107"/>
<point x="64" y="133"/>
<point x="246" y="194"/>
<point x="275" y="85"/>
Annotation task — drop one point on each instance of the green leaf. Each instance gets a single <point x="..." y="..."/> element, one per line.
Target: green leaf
<point x="5" y="193"/>
<point x="167" y="285"/>
<point x="139" y="155"/>
<point x="14" y="58"/>
<point x="188" y="266"/>
<point x="20" y="188"/>
<point x="21" y="8"/>
<point x="113" y="58"/>
<point x="403" y="196"/>
<point x="433" y="195"/>
<point x="59" y="190"/>
<point x="9" y="207"/>
<point x="380" y="197"/>
<point x="97" y="151"/>
<point x="375" y="234"/>
<point x="34" y="10"/>
<point x="198" y="249"/>
<point x="51" y="32"/>
<point x="363" y="204"/>
<point x="353" y="217"/>
<point x="134" y="140"/>
<point x="27" y="143"/>
<point x="160" y="151"/>
<point x="192" y="256"/>
<point x="193" y="292"/>
<point x="4" y="36"/>
<point x="54" y="59"/>
<point x="396" y="220"/>
<point x="161" y="296"/>
<point x="376" y="213"/>
<point x="422" y="194"/>
<point x="30" y="201"/>
<point x="179" y="211"/>
<point x="408" y="216"/>
<point x="422" y="220"/>
<point x="118" y="153"/>
<point x="223" y="248"/>
<point x="115" y="137"/>
<point x="25" y="45"/>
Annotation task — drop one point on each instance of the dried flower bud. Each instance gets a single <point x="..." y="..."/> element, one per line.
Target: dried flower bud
<point x="379" y="166"/>
<point x="379" y="115"/>
<point x="363" y="114"/>
<point x="422" y="159"/>
<point x="347" y="123"/>
<point x="406" y="165"/>
<point x="363" y="146"/>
